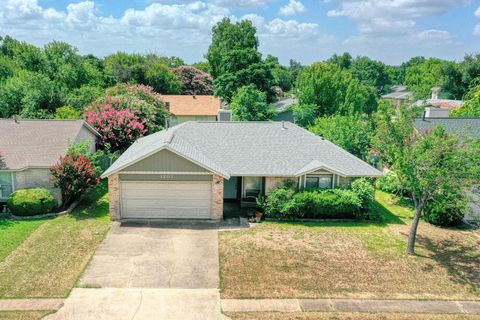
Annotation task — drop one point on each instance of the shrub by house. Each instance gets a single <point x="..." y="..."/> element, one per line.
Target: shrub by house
<point x="31" y="202"/>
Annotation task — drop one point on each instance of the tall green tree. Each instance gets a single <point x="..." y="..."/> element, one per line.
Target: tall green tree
<point x="372" y="73"/>
<point x="471" y="105"/>
<point x="250" y="104"/>
<point x="30" y="95"/>
<point x="344" y="61"/>
<point x="235" y="61"/>
<point x="334" y="91"/>
<point x="421" y="77"/>
<point x="426" y="163"/>
<point x="350" y="132"/>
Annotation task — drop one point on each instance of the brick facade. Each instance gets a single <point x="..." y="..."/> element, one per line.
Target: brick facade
<point x="217" y="197"/>
<point x="114" y="194"/>
<point x="272" y="182"/>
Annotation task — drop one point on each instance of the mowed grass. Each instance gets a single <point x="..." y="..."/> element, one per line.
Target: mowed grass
<point x="23" y="315"/>
<point x="348" y="316"/>
<point x="49" y="262"/>
<point x="13" y="233"/>
<point x="350" y="260"/>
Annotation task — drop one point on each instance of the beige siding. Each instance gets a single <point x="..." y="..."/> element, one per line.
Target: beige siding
<point x="86" y="135"/>
<point x="36" y="178"/>
<point x="165" y="161"/>
<point x="272" y="182"/>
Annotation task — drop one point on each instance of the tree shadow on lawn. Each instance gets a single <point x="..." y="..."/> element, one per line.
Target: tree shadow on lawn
<point x="462" y="261"/>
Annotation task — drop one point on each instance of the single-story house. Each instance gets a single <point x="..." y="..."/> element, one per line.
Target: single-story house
<point x="189" y="170"/>
<point x="399" y="96"/>
<point x="467" y="127"/>
<point x="195" y="108"/>
<point x="30" y="147"/>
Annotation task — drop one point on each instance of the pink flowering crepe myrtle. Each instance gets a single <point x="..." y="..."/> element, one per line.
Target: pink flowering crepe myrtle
<point x="73" y="175"/>
<point x="118" y="128"/>
<point x="194" y="81"/>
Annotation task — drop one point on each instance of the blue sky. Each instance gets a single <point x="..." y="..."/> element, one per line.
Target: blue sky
<point x="305" y="30"/>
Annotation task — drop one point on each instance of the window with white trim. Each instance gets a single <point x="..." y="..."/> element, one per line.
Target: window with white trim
<point x="6" y="184"/>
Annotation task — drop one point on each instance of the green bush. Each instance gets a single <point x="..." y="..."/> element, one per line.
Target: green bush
<point x="389" y="183"/>
<point x="366" y="192"/>
<point x="284" y="203"/>
<point x="31" y="202"/>
<point x="446" y="209"/>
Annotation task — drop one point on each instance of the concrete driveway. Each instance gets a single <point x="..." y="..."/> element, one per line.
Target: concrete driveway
<point x="145" y="272"/>
<point x="173" y="256"/>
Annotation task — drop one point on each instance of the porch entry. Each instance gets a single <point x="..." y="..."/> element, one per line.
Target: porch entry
<point x="244" y="190"/>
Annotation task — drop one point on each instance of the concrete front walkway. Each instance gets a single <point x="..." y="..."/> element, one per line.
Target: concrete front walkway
<point x="349" y="305"/>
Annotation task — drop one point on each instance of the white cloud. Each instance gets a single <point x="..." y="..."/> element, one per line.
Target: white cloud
<point x="477" y="12"/>
<point x="476" y="31"/>
<point x="291" y="28"/>
<point x="434" y="34"/>
<point x="292" y="8"/>
<point x="241" y="3"/>
<point x="380" y="16"/>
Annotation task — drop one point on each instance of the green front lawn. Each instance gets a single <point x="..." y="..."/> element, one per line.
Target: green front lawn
<point x="350" y="259"/>
<point x="13" y="233"/>
<point x="54" y="252"/>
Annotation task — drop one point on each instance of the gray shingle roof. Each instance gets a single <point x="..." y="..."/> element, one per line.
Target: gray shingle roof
<point x="469" y="127"/>
<point x="36" y="143"/>
<point x="248" y="149"/>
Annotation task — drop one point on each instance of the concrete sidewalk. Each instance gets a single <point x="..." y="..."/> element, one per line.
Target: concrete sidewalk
<point x="30" y="304"/>
<point x="350" y="305"/>
<point x="140" y="304"/>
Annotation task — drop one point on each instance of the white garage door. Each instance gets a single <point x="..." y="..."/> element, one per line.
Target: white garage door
<point x="166" y="199"/>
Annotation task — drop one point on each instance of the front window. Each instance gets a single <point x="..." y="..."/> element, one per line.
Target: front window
<point x="6" y="186"/>
<point x="252" y="187"/>
<point x="319" y="182"/>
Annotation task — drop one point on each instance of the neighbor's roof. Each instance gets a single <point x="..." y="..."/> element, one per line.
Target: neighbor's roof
<point x="193" y="105"/>
<point x="36" y="143"/>
<point x="399" y="92"/>
<point x="440" y="103"/>
<point x="469" y="127"/>
<point x="283" y="104"/>
<point x="248" y="149"/>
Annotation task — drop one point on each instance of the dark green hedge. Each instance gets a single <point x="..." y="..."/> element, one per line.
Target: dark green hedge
<point x="285" y="203"/>
<point x="31" y="202"/>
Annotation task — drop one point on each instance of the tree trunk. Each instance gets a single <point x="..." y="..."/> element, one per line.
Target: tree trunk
<point x="413" y="230"/>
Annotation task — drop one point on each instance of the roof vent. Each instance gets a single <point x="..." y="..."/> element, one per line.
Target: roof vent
<point x="15" y="118"/>
<point x="283" y="125"/>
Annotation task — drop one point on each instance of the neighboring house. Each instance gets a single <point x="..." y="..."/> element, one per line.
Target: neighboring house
<point x="466" y="127"/>
<point x="188" y="171"/>
<point x="469" y="127"/>
<point x="438" y="108"/>
<point x="399" y="96"/>
<point x="284" y="110"/>
<point x="195" y="108"/>
<point x="31" y="147"/>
